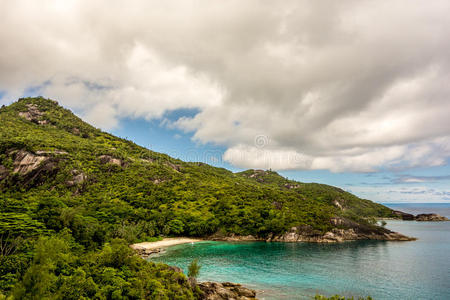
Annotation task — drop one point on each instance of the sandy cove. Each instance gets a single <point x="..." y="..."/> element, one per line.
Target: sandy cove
<point x="146" y="248"/>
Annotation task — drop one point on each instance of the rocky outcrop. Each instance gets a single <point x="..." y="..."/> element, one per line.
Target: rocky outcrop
<point x="225" y="290"/>
<point x="54" y="152"/>
<point x="78" y="178"/>
<point x="291" y="186"/>
<point x="26" y="162"/>
<point x="175" y="167"/>
<point x="33" y="169"/>
<point x="234" y="238"/>
<point x="76" y="131"/>
<point x="344" y="230"/>
<point x="338" y="204"/>
<point x="145" y="252"/>
<point x="420" y="217"/>
<point x="108" y="159"/>
<point x="430" y="217"/>
<point x="403" y="215"/>
<point x="33" y="114"/>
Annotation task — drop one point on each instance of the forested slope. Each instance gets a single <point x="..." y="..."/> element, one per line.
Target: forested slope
<point x="64" y="182"/>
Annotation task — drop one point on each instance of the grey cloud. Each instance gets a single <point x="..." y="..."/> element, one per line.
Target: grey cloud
<point x="345" y="86"/>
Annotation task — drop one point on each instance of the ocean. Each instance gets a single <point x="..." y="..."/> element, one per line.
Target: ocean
<point x="380" y="269"/>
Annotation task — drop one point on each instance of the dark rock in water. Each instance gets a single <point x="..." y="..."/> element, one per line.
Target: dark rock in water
<point x="419" y="217"/>
<point x="430" y="217"/>
<point x="226" y="290"/>
<point x="404" y="216"/>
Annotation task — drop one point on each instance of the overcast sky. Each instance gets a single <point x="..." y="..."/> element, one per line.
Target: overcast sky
<point x="308" y="87"/>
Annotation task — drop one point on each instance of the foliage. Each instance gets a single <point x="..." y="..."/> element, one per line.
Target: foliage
<point x="194" y="269"/>
<point x="60" y="271"/>
<point x="99" y="188"/>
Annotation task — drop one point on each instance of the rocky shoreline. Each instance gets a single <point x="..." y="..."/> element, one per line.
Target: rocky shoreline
<point x="420" y="217"/>
<point x="344" y="230"/>
<point x="225" y="290"/>
<point x="334" y="236"/>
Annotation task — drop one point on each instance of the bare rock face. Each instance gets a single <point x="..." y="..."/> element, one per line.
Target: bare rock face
<point x="78" y="178"/>
<point x="33" y="169"/>
<point x="338" y="204"/>
<point x="145" y="253"/>
<point x="225" y="290"/>
<point x="26" y="162"/>
<point x="33" y="114"/>
<point x="430" y="217"/>
<point x="108" y="159"/>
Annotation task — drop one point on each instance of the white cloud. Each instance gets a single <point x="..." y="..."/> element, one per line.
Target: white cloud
<point x="344" y="86"/>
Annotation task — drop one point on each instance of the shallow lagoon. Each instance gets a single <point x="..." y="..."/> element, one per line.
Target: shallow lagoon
<point x="383" y="270"/>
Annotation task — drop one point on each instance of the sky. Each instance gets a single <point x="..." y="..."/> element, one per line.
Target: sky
<point x="349" y="93"/>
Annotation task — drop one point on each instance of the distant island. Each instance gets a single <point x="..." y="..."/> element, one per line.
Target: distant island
<point x="73" y="198"/>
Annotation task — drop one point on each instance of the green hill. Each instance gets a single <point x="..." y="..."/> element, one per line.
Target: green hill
<point x="64" y="182"/>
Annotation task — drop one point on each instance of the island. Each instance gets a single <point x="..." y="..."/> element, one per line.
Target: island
<point x="82" y="196"/>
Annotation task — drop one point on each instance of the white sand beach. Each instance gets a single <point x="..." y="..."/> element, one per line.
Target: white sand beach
<point x="164" y="243"/>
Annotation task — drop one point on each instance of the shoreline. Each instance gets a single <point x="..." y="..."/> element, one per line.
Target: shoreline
<point x="166" y="242"/>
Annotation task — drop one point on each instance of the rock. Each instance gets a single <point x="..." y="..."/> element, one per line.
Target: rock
<point x="420" y="217"/>
<point x="34" y="169"/>
<point x="226" y="290"/>
<point x="430" y="217"/>
<point x="344" y="230"/>
<point x="33" y="114"/>
<point x="26" y="162"/>
<point x="147" y="160"/>
<point x="235" y="238"/>
<point x="108" y="159"/>
<point x="338" y="205"/>
<point x="145" y="252"/>
<point x="291" y="186"/>
<point x="78" y="178"/>
<point x="350" y="231"/>
<point x="57" y="152"/>
<point x="176" y="269"/>
<point x="175" y="167"/>
<point x="76" y="131"/>
<point x="257" y="173"/>
<point x="403" y="215"/>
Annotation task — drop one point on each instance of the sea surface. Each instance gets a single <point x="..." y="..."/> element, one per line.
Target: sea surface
<point x="383" y="270"/>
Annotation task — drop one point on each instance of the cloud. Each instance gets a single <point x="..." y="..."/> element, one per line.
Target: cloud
<point x="345" y="86"/>
<point x="419" y="179"/>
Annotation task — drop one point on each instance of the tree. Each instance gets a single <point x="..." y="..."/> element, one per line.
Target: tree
<point x="194" y="269"/>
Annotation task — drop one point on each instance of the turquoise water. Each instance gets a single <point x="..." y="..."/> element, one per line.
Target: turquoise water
<point x="383" y="270"/>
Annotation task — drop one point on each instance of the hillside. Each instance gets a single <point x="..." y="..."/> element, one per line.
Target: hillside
<point x="63" y="179"/>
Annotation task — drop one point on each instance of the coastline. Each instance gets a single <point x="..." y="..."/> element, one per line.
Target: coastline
<point x="166" y="242"/>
